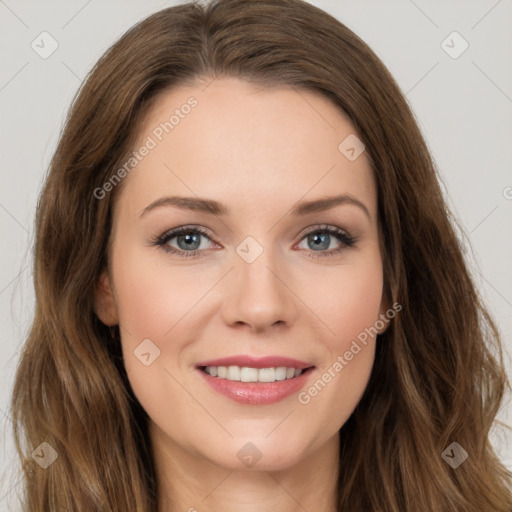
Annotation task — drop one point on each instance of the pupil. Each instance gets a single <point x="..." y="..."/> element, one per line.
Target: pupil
<point x="317" y="237"/>
<point x="189" y="239"/>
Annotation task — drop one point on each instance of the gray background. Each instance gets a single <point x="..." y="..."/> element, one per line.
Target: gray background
<point x="463" y="106"/>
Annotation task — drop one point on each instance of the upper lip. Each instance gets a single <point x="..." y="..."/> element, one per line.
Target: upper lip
<point x="256" y="362"/>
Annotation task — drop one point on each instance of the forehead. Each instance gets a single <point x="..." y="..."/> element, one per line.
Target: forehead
<point x="246" y="146"/>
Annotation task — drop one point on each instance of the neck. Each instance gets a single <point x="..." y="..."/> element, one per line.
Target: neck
<point x="188" y="482"/>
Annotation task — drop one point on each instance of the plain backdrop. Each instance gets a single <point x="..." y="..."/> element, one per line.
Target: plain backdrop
<point x="461" y="97"/>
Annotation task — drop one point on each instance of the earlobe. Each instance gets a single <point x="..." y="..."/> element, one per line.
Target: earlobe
<point x="104" y="302"/>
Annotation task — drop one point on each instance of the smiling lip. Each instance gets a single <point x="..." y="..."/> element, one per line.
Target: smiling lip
<point x="256" y="393"/>
<point x="256" y="362"/>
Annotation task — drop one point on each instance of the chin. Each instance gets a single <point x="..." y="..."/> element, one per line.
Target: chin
<point x="258" y="454"/>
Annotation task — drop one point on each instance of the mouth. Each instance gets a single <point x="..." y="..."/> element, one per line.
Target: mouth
<point x="255" y="381"/>
<point x="249" y="374"/>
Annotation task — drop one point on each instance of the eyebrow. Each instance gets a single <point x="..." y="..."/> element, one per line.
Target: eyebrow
<point x="213" y="207"/>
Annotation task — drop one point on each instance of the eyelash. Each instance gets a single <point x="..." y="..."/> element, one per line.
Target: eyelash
<point x="346" y="240"/>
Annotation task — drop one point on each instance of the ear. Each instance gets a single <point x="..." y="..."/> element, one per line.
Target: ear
<point x="104" y="302"/>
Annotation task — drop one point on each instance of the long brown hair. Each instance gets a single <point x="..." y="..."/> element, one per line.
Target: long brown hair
<point x="438" y="375"/>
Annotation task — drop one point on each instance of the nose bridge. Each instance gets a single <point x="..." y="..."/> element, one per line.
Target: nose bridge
<point x="257" y="293"/>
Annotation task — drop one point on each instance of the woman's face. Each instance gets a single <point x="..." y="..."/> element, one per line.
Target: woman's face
<point x="271" y="277"/>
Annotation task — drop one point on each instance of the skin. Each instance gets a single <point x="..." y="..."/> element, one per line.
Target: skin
<point x="258" y="151"/>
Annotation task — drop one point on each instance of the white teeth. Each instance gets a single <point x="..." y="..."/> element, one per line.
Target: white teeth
<point x="266" y="375"/>
<point x="246" y="374"/>
<point x="233" y="373"/>
<point x="281" y="373"/>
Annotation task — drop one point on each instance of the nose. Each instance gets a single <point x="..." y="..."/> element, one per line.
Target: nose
<point x="258" y="296"/>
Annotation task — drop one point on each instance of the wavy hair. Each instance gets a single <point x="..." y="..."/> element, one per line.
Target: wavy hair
<point x="438" y="375"/>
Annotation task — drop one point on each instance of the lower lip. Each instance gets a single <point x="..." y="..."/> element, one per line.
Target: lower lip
<point x="257" y="393"/>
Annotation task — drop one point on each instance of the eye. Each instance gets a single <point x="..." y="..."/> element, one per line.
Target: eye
<point x="188" y="240"/>
<point x="321" y="237"/>
<point x="187" y="237"/>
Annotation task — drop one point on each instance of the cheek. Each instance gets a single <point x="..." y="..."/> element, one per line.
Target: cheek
<point x="153" y="303"/>
<point x="348" y="301"/>
<point x="358" y="305"/>
<point x="152" y="297"/>
<point x="351" y="310"/>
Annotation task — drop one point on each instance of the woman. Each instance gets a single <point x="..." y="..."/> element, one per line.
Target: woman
<point x="321" y="347"/>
